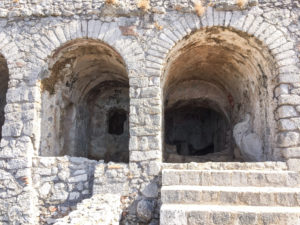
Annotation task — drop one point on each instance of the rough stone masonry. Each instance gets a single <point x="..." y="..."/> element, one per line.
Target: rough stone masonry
<point x="97" y="97"/>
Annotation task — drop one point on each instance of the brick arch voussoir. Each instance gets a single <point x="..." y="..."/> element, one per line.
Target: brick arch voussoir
<point x="108" y="33"/>
<point x="271" y="36"/>
<point x="10" y="51"/>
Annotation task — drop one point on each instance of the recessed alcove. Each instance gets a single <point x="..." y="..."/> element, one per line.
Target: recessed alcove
<point x="85" y="103"/>
<point x="4" y="78"/>
<point x="212" y="80"/>
<point x="195" y="130"/>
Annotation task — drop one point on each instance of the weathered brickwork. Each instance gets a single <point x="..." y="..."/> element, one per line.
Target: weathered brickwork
<point x="36" y="189"/>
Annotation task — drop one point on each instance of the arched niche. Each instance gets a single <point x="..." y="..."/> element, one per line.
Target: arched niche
<point x="88" y="81"/>
<point x="213" y="78"/>
<point x="4" y="78"/>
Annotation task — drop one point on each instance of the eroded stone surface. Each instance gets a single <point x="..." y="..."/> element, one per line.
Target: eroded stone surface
<point x="89" y="211"/>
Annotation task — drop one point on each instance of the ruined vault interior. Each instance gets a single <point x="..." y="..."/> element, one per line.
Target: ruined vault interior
<point x="85" y="103"/>
<point x="212" y="79"/>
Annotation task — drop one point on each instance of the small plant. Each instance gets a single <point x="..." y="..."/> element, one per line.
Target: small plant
<point x="143" y="5"/>
<point x="52" y="209"/>
<point x="157" y="26"/>
<point x="111" y="2"/>
<point x="25" y="180"/>
<point x="211" y="4"/>
<point x="199" y="8"/>
<point x="241" y="3"/>
<point x="178" y="7"/>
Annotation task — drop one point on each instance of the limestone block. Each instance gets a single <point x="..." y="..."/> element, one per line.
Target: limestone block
<point x="153" y="168"/>
<point x="64" y="175"/>
<point x="12" y="129"/>
<point x="228" y="16"/>
<point x="79" y="186"/>
<point x="291" y="152"/>
<point x="248" y="22"/>
<point x="143" y="144"/>
<point x="290" y="77"/>
<point x="85" y="192"/>
<point x="74" y="196"/>
<point x="237" y="20"/>
<point x="60" y="34"/>
<point x="84" y="28"/>
<point x="78" y="178"/>
<point x="78" y="172"/>
<point x="288" y="139"/>
<point x="52" y="38"/>
<point x="288" y="69"/>
<point x="151" y="92"/>
<point x="145" y="155"/>
<point x="47" y="161"/>
<point x="54" y="170"/>
<point x="170" y="177"/>
<point x="274" y="36"/>
<point x="255" y="25"/>
<point x="59" y="192"/>
<point x="284" y="55"/>
<point x="19" y="163"/>
<point x="44" y="171"/>
<point x="282" y="89"/>
<point x="44" y="190"/>
<point x="294" y="164"/>
<point x="287" y="124"/>
<point x="171" y="215"/>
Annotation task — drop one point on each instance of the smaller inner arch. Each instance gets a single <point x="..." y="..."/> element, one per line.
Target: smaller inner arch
<point x="193" y="129"/>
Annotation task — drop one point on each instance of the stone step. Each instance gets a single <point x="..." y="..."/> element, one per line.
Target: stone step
<point x="219" y="195"/>
<point x="238" y="178"/>
<point x="278" y="166"/>
<point x="181" y="214"/>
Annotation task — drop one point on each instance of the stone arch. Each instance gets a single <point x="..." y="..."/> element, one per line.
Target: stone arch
<point x="9" y="59"/>
<point x="275" y="42"/>
<point x="108" y="32"/>
<point x="13" y="129"/>
<point x="120" y="57"/>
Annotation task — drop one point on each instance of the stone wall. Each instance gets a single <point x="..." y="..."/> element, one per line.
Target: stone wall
<point x="60" y="183"/>
<point x="112" y="178"/>
<point x="144" y="36"/>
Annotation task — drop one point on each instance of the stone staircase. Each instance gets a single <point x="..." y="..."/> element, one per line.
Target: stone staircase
<point x="232" y="195"/>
